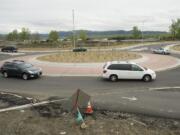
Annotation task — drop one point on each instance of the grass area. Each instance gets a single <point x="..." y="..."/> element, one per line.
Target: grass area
<point x="91" y="56"/>
<point x="176" y="48"/>
<point x="96" y="46"/>
<point x="125" y="44"/>
<point x="39" y="49"/>
<point x="121" y="45"/>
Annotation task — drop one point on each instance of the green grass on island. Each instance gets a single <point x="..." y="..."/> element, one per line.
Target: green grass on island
<point x="90" y="56"/>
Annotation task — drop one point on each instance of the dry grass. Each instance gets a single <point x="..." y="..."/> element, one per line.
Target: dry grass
<point x="119" y="45"/>
<point x="177" y="47"/>
<point x="91" y="56"/>
<point x="125" y="44"/>
<point x="39" y="49"/>
<point x="70" y="47"/>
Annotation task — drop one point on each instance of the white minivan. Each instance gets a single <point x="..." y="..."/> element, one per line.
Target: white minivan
<point x="115" y="70"/>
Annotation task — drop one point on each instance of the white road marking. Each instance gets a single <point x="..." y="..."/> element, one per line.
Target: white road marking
<point x="130" y="98"/>
<point x="170" y="111"/>
<point x="163" y="88"/>
<point x="11" y="94"/>
<point x="12" y="54"/>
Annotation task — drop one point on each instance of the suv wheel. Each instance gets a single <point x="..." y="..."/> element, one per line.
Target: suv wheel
<point x="147" y="78"/>
<point x="113" y="78"/>
<point x="5" y="74"/>
<point x="25" y="76"/>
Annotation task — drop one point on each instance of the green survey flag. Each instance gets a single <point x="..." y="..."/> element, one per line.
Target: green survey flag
<point x="79" y="116"/>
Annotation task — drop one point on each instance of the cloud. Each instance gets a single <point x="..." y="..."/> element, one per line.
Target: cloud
<point x="44" y="15"/>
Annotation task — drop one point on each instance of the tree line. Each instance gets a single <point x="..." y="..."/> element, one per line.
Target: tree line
<point x="25" y="34"/>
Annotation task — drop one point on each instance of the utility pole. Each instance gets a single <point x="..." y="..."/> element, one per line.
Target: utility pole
<point x="142" y="33"/>
<point x="74" y="40"/>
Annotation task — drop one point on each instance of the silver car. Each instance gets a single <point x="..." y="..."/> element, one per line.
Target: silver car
<point x="161" y="51"/>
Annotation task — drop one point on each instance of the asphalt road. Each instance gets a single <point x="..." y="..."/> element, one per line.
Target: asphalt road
<point x="8" y="56"/>
<point x="148" y="48"/>
<point x="124" y="95"/>
<point x="163" y="103"/>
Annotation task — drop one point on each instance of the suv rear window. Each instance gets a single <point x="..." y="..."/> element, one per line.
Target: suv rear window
<point x="7" y="64"/>
<point x="25" y="65"/>
<point x="120" y="67"/>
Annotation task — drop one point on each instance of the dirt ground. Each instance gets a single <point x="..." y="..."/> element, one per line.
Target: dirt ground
<point x="31" y="122"/>
<point x="51" y="119"/>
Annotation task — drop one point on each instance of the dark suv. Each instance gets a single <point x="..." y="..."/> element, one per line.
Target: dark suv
<point x="9" y="49"/>
<point x="19" y="68"/>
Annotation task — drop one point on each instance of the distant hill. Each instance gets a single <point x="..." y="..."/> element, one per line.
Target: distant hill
<point x="99" y="34"/>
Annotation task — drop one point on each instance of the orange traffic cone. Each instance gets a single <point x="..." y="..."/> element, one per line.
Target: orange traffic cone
<point x="89" y="109"/>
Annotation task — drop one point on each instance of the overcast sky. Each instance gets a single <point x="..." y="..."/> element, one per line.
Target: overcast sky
<point x="45" y="15"/>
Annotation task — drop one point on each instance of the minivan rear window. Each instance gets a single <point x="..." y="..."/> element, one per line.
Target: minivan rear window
<point x="120" y="67"/>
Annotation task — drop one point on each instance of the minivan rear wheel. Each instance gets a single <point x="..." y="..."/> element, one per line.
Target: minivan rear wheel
<point x="113" y="78"/>
<point x="147" y="78"/>
<point x="25" y="76"/>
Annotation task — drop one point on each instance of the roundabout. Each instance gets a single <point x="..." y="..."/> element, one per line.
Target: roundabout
<point x="63" y="79"/>
<point x="152" y="61"/>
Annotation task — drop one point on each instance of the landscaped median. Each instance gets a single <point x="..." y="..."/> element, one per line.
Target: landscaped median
<point x="89" y="57"/>
<point x="71" y="67"/>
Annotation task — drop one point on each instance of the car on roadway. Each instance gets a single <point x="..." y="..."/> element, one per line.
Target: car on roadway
<point x="161" y="51"/>
<point x="9" y="49"/>
<point x="80" y="49"/>
<point x="18" y="68"/>
<point x="115" y="70"/>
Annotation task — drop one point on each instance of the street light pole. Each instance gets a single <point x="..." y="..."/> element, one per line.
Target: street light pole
<point x="74" y="42"/>
<point x="142" y="34"/>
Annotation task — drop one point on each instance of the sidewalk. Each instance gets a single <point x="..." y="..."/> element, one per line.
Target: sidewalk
<point x="152" y="61"/>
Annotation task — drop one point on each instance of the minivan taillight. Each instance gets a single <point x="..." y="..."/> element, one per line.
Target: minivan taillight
<point x="104" y="71"/>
